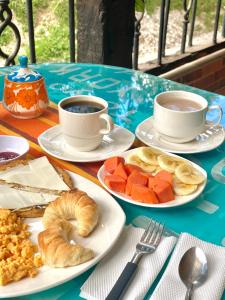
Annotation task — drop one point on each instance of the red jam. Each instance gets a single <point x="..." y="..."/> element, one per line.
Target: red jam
<point x="8" y="155"/>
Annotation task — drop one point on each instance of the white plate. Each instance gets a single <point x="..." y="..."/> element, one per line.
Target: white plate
<point x="212" y="138"/>
<point x="179" y="200"/>
<point x="101" y="240"/>
<point x="119" y="140"/>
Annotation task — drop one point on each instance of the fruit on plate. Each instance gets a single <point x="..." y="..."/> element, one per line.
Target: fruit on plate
<point x="168" y="163"/>
<point x="155" y="181"/>
<point x="188" y="174"/>
<point x="134" y="182"/>
<point x="135" y="160"/>
<point x="148" y="155"/>
<point x="183" y="189"/>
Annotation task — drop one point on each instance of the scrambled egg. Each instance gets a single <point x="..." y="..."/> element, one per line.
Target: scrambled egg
<point x="17" y="252"/>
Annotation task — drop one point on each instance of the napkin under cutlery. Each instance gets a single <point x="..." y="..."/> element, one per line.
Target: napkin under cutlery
<point x="102" y="279"/>
<point x="170" y="286"/>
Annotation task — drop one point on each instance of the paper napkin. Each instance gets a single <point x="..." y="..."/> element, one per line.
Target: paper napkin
<point x="170" y="287"/>
<point x="103" y="278"/>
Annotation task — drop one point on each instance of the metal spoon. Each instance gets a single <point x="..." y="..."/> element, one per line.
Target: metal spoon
<point x="193" y="269"/>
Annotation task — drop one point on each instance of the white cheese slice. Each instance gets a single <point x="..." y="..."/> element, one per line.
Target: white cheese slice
<point x="38" y="173"/>
<point x="11" y="198"/>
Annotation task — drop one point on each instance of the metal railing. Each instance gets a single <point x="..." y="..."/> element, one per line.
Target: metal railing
<point x="161" y="63"/>
<point x="158" y="66"/>
<point x="6" y="21"/>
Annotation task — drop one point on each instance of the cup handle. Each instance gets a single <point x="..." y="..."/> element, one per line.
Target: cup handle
<point x="109" y="122"/>
<point x="220" y="114"/>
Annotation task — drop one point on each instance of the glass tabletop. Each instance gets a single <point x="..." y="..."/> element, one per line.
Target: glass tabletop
<point x="130" y="96"/>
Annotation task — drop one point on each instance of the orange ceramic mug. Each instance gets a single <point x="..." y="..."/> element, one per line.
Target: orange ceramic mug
<point x="25" y="95"/>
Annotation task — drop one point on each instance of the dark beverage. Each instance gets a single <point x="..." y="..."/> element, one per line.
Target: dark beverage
<point x="8" y="155"/>
<point x="181" y="105"/>
<point x="83" y="107"/>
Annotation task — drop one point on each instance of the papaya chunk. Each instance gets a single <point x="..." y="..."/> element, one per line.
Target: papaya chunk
<point x="111" y="163"/>
<point x="115" y="183"/>
<point x="130" y="168"/>
<point x="135" y="178"/>
<point x="162" y="189"/>
<point x="120" y="171"/>
<point x="164" y="175"/>
<point x="143" y="194"/>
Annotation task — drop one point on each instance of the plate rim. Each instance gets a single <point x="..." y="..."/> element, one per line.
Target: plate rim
<point x="156" y="206"/>
<point x="176" y="151"/>
<point x="95" y="261"/>
<point x="100" y="158"/>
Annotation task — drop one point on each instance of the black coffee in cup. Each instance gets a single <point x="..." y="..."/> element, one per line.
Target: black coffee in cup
<point x="82" y="107"/>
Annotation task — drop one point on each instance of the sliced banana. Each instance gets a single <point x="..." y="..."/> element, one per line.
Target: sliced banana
<point x="188" y="174"/>
<point x="183" y="189"/>
<point x="148" y="155"/>
<point x="135" y="160"/>
<point x="168" y="163"/>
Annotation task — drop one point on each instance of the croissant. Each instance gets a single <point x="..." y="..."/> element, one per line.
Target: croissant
<point x="56" y="251"/>
<point x="73" y="204"/>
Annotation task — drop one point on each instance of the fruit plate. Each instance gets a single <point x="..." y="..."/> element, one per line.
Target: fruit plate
<point x="179" y="200"/>
<point x="101" y="240"/>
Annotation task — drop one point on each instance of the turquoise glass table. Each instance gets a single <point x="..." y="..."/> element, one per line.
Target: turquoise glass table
<point x="130" y="96"/>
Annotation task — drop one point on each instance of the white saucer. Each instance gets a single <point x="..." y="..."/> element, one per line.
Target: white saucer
<point x="119" y="140"/>
<point x="212" y="138"/>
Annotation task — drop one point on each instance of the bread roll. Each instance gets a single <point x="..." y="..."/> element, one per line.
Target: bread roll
<point x="76" y="205"/>
<point x="56" y="251"/>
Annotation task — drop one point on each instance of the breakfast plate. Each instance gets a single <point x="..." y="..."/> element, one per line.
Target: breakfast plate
<point x="101" y="240"/>
<point x="119" y="140"/>
<point x="212" y="138"/>
<point x="179" y="200"/>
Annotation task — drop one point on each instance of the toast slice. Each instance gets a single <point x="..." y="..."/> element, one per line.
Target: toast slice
<point x="35" y="211"/>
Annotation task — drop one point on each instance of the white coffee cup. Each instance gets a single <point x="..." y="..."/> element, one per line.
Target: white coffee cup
<point x="182" y="126"/>
<point x="84" y="131"/>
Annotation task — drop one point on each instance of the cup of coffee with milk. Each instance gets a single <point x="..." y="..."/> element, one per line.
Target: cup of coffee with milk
<point x="84" y="121"/>
<point x="180" y="116"/>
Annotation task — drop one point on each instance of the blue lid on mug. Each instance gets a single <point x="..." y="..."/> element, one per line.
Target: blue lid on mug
<point x="23" y="73"/>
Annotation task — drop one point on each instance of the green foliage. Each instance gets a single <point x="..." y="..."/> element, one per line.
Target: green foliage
<point x="51" y="28"/>
<point x="54" y="47"/>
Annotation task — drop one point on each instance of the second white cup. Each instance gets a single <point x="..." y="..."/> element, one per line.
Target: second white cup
<point x="84" y="121"/>
<point x="179" y="116"/>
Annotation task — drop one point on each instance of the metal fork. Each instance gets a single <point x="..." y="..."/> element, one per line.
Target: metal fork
<point x="147" y="244"/>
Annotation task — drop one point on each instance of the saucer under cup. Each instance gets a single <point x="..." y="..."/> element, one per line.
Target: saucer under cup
<point x="210" y="139"/>
<point x="119" y="140"/>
